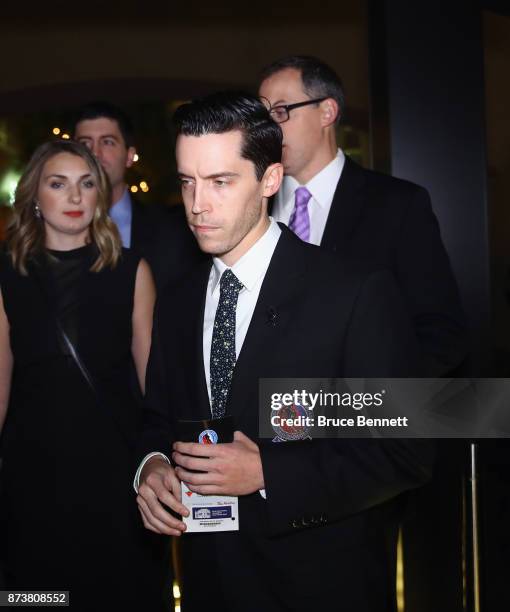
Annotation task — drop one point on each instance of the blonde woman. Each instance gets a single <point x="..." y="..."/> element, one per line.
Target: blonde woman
<point x="75" y="316"/>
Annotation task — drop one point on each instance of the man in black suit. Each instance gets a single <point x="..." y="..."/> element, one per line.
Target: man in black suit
<point x="160" y="235"/>
<point x="382" y="220"/>
<point x="317" y="519"/>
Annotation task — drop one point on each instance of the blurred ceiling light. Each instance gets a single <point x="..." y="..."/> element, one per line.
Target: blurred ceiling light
<point x="136" y="157"/>
<point x="133" y="188"/>
<point x="56" y="131"/>
<point x="8" y="186"/>
<point x="66" y="136"/>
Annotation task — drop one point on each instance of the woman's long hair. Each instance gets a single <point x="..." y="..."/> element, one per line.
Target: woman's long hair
<point x="26" y="233"/>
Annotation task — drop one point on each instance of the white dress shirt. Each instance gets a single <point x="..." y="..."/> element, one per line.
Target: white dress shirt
<point x="250" y="270"/>
<point x="322" y="187"/>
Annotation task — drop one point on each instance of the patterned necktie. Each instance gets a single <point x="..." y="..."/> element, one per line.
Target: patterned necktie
<point x="223" y="346"/>
<point x="299" y="221"/>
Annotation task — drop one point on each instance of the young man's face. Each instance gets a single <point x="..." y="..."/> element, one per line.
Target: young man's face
<point x="104" y="138"/>
<point x="302" y="133"/>
<point x="226" y="205"/>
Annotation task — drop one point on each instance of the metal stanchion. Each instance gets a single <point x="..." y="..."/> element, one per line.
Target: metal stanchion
<point x="475" y="526"/>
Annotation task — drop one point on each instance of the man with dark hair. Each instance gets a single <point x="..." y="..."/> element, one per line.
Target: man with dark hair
<point x="159" y="235"/>
<point x="317" y="519"/>
<point x="329" y="200"/>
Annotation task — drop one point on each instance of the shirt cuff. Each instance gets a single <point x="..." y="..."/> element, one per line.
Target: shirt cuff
<point x="136" y="481"/>
<point x="263" y="493"/>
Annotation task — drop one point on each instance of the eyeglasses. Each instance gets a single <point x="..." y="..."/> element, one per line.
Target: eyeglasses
<point x="281" y="113"/>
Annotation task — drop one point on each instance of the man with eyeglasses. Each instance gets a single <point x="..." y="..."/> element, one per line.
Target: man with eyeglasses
<point x="329" y="200"/>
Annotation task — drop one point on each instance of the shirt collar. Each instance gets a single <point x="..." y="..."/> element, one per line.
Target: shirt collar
<point x="320" y="185"/>
<point x="254" y="263"/>
<point x="122" y="207"/>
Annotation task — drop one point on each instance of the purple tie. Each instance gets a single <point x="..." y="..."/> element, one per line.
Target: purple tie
<point x="299" y="221"/>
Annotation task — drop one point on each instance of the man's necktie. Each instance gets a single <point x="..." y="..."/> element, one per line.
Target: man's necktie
<point x="299" y="221"/>
<point x="223" y="346"/>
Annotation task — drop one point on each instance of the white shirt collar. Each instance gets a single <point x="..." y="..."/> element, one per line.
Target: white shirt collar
<point x="320" y="185"/>
<point x="254" y="263"/>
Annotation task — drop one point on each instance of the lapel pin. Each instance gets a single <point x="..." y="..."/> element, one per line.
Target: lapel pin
<point x="272" y="316"/>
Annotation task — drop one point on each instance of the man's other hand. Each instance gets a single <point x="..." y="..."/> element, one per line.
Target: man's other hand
<point x="159" y="485"/>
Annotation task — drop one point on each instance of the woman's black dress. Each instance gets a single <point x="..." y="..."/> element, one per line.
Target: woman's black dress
<point x="67" y="498"/>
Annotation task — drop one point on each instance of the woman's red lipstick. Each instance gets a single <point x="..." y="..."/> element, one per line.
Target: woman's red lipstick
<point x="74" y="213"/>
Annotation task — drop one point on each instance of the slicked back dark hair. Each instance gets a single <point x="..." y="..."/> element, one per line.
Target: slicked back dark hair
<point x="319" y="79"/>
<point x="228" y="111"/>
<point x="106" y="110"/>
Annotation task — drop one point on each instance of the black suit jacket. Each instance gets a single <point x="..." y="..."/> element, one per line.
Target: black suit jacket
<point x="389" y="223"/>
<point x="162" y="236"/>
<point x="326" y="534"/>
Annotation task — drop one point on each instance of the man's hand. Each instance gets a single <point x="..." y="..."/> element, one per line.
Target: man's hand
<point x="234" y="468"/>
<point x="158" y="483"/>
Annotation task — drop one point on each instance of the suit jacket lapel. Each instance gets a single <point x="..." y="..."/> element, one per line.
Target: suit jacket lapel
<point x="271" y="316"/>
<point x="346" y="208"/>
<point x="200" y="407"/>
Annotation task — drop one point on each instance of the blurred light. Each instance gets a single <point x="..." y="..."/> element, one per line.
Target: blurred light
<point x="400" y="574"/>
<point x="144" y="187"/>
<point x="136" y="157"/>
<point x="8" y="186"/>
<point x="66" y="136"/>
<point x="177" y="596"/>
<point x="56" y="131"/>
<point x="133" y="188"/>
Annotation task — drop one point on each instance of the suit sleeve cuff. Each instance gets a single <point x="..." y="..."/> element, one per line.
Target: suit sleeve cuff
<point x="136" y="481"/>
